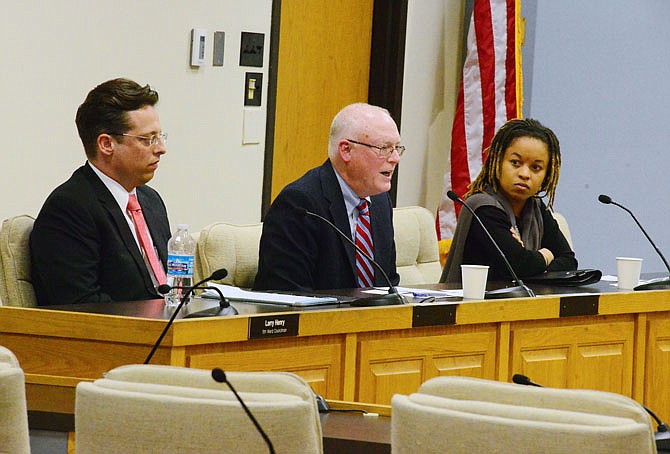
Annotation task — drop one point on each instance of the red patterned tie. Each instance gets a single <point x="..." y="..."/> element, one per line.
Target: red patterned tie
<point x="364" y="270"/>
<point x="143" y="236"/>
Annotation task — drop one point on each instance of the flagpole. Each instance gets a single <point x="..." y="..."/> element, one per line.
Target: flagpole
<point x="520" y="33"/>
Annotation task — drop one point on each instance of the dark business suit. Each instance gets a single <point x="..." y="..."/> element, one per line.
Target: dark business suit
<point x="298" y="252"/>
<point x="82" y="249"/>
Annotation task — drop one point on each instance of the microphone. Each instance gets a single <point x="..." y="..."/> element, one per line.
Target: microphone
<point x="216" y="275"/>
<point x="523" y="380"/>
<point x="220" y="376"/>
<point x="520" y="290"/>
<point x="661" y="436"/>
<point x="224" y="305"/>
<point x="655" y="284"/>
<point x="392" y="298"/>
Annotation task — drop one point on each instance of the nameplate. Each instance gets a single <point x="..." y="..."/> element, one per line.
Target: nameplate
<point x="434" y="315"/>
<point x="573" y="306"/>
<point x="266" y="327"/>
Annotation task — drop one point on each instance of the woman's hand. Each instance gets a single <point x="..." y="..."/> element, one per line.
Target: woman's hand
<point x="515" y="235"/>
<point x="548" y="255"/>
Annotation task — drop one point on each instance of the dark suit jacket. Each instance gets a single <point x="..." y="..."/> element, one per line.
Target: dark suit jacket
<point x="82" y="249"/>
<point x="299" y="252"/>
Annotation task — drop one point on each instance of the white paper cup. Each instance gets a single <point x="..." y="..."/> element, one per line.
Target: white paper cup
<point x="628" y="272"/>
<point x="474" y="281"/>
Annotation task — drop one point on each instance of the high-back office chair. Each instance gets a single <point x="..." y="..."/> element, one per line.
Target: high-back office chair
<point x="14" y="437"/>
<point x="230" y="246"/>
<point x="417" y="256"/>
<point x="16" y="288"/>
<point x="151" y="408"/>
<point x="563" y="225"/>
<point x="488" y="416"/>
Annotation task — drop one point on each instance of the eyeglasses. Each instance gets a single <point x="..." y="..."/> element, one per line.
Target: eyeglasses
<point x="382" y="152"/>
<point x="153" y="140"/>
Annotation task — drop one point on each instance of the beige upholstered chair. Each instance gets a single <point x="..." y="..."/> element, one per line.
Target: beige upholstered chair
<point x="150" y="408"/>
<point x="563" y="225"/>
<point x="460" y="414"/>
<point x="230" y="246"/>
<point x="417" y="253"/>
<point x="14" y="436"/>
<point x="16" y="288"/>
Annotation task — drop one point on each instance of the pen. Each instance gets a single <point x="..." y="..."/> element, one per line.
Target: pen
<point x="419" y="295"/>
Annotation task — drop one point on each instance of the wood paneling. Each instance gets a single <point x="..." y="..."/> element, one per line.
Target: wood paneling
<point x="657" y="370"/>
<point x="588" y="352"/>
<point x="323" y="65"/>
<point x="398" y="362"/>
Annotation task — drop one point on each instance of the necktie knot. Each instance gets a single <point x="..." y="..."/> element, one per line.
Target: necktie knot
<point x="363" y="207"/>
<point x="133" y="203"/>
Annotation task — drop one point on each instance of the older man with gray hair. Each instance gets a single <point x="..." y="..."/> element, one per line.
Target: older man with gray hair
<point x="351" y="190"/>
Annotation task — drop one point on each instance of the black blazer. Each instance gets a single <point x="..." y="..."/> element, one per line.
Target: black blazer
<point x="82" y="249"/>
<point x="301" y="253"/>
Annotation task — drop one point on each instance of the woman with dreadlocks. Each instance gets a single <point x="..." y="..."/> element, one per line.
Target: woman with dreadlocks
<point x="522" y="167"/>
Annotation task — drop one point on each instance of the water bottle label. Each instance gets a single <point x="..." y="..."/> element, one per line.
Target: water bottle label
<point x="180" y="265"/>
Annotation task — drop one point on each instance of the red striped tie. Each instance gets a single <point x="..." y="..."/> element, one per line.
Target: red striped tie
<point x="365" y="272"/>
<point x="143" y="236"/>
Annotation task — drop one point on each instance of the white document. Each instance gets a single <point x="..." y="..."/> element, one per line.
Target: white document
<point x="417" y="292"/>
<point x="237" y="294"/>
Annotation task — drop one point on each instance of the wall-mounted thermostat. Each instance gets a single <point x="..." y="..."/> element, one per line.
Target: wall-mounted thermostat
<point x="198" y="38"/>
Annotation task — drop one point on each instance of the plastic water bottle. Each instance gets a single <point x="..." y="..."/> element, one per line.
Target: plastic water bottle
<point x="181" y="255"/>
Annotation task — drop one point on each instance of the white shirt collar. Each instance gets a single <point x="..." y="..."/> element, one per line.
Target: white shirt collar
<point x="118" y="192"/>
<point x="351" y="201"/>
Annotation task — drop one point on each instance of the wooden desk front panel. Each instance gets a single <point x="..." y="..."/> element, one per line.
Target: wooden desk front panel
<point x="581" y="352"/>
<point x="317" y="359"/>
<point x="397" y="362"/>
<point x="657" y="370"/>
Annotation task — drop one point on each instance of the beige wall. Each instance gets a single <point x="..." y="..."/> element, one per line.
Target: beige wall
<point x="53" y="53"/>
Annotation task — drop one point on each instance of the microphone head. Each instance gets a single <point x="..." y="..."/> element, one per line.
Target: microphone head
<point x="163" y="289"/>
<point x="218" y="375"/>
<point x="218" y="274"/>
<point x="602" y="198"/>
<point x="521" y="379"/>
<point x="453" y="196"/>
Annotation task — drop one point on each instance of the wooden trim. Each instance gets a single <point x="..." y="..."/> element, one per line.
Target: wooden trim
<point x="387" y="62"/>
<point x="271" y="107"/>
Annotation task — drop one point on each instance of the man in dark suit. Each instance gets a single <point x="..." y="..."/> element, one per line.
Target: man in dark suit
<point x="299" y="252"/>
<point x="87" y="245"/>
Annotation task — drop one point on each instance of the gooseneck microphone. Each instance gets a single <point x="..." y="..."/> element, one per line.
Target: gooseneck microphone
<point x="662" y="434"/>
<point x="220" y="376"/>
<point x="216" y="275"/>
<point x="655" y="284"/>
<point x="520" y="290"/>
<point x="392" y="298"/>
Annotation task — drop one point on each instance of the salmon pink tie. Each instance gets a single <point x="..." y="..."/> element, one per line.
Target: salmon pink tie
<point x="365" y="272"/>
<point x="143" y="235"/>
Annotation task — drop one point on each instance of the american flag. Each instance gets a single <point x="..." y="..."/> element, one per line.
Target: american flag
<point x="488" y="96"/>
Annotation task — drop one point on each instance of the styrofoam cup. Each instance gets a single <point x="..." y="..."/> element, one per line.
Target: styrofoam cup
<point x="474" y="281"/>
<point x="628" y="272"/>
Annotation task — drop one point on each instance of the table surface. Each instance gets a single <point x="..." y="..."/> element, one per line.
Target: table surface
<point x="155" y="309"/>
